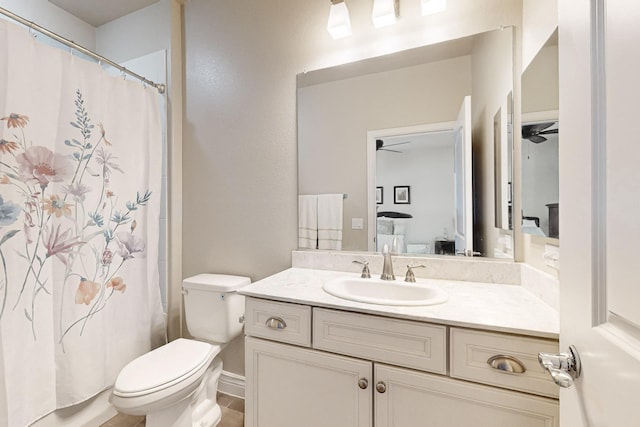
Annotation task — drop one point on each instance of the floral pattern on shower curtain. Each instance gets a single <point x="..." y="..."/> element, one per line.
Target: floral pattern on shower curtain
<point x="80" y="170"/>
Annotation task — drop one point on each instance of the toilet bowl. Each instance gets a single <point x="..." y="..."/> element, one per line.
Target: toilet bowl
<point x="176" y="385"/>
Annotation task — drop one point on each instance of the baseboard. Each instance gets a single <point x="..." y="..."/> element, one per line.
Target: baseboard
<point x="232" y="384"/>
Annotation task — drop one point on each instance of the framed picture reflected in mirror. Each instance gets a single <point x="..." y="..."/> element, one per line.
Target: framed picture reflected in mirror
<point x="402" y="194"/>
<point x="379" y="195"/>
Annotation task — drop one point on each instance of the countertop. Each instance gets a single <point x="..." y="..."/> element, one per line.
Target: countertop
<point x="487" y="306"/>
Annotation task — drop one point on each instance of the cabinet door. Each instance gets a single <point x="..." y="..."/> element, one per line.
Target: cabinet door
<point x="291" y="387"/>
<point x="414" y="399"/>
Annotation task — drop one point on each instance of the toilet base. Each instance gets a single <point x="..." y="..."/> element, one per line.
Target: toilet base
<point x="182" y="415"/>
<point x="197" y="409"/>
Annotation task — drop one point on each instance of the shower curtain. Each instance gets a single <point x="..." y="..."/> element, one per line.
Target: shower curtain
<point x="80" y="171"/>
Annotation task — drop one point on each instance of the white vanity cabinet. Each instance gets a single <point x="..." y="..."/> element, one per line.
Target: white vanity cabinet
<point x="406" y="398"/>
<point x="364" y="370"/>
<point x="291" y="386"/>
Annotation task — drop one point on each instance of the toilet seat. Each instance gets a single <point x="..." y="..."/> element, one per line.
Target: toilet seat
<point x="164" y="367"/>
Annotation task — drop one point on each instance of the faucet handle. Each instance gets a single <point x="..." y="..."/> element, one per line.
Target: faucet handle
<point x="366" y="274"/>
<point x="410" y="277"/>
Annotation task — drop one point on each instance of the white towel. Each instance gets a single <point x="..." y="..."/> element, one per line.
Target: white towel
<point x="308" y="221"/>
<point x="330" y="221"/>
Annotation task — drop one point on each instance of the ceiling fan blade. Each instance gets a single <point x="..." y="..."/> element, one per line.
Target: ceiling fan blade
<point x="539" y="127"/>
<point x="398" y="143"/>
<point x="546" y="132"/>
<point x="536" y="139"/>
<point x="392" y="151"/>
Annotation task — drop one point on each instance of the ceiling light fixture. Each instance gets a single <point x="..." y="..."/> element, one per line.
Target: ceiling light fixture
<point x="384" y="12"/>
<point x="339" y="25"/>
<point x="430" y="7"/>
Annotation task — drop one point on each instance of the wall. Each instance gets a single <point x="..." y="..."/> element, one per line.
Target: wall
<point x="55" y="19"/>
<point x="540" y="82"/>
<point x="144" y="31"/>
<point x="240" y="199"/>
<point x="539" y="20"/>
<point x="334" y="117"/>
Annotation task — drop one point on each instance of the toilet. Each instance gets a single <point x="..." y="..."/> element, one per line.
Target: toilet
<point x="176" y="385"/>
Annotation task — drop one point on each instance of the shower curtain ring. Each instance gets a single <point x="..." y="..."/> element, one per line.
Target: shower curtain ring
<point x="32" y="32"/>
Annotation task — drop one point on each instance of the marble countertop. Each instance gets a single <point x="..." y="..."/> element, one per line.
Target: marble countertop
<point x="488" y="306"/>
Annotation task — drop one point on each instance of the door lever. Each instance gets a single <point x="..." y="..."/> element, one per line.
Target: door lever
<point x="563" y="367"/>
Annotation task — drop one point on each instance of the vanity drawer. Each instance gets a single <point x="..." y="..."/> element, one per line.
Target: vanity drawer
<point x="471" y="351"/>
<point x="380" y="339"/>
<point x="290" y="323"/>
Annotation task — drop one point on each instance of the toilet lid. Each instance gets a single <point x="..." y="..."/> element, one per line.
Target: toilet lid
<point x="163" y="367"/>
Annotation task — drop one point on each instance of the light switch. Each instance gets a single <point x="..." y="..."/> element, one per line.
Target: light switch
<point x="357" y="223"/>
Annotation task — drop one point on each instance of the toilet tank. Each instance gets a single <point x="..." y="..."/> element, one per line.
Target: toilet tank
<point x="213" y="307"/>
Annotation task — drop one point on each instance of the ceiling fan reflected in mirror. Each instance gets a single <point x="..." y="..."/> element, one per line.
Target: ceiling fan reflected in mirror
<point x="381" y="147"/>
<point x="534" y="132"/>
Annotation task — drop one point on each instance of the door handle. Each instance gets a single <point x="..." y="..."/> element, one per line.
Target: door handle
<point x="563" y="367"/>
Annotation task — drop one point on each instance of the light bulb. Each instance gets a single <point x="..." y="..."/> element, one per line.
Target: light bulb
<point x="339" y="24"/>
<point x="384" y="13"/>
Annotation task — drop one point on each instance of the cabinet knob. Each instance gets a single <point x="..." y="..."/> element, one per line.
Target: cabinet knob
<point x="381" y="387"/>
<point x="275" y="322"/>
<point x="363" y="383"/>
<point x="506" y="363"/>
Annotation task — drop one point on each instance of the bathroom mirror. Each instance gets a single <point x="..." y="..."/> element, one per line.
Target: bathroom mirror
<point x="422" y="87"/>
<point x="503" y="164"/>
<point x="540" y="139"/>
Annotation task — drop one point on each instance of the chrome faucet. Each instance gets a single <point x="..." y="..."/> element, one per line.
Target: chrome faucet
<point x="387" y="266"/>
<point x="366" y="274"/>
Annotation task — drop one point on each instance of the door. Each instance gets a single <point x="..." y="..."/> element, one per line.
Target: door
<point x="600" y="209"/>
<point x="405" y="398"/>
<point x="463" y="215"/>
<point x="291" y="387"/>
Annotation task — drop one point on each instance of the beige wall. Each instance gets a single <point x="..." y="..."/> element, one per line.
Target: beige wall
<point x="539" y="20"/>
<point x="334" y="117"/>
<point x="51" y="17"/>
<point x="540" y="82"/>
<point x="240" y="156"/>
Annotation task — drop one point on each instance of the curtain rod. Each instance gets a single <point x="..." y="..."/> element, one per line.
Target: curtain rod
<point x="161" y="87"/>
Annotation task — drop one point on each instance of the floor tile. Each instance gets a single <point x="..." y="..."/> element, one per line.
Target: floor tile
<point x="231" y="418"/>
<point x="232" y="414"/>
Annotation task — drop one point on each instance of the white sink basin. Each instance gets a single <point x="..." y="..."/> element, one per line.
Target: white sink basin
<point x="385" y="292"/>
